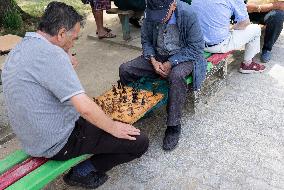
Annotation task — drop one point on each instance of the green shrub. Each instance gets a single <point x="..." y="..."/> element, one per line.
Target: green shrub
<point x="12" y="20"/>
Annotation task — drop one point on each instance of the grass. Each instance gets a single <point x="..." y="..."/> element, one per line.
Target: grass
<point x="35" y="8"/>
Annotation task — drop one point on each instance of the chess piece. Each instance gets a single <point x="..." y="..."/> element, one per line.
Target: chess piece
<point x="131" y="111"/>
<point x="103" y="105"/>
<point x="97" y="101"/>
<point x="123" y="90"/>
<point x="124" y="99"/>
<point x="119" y="84"/>
<point x="134" y="97"/>
<point x="143" y="101"/>
<point x="119" y="109"/>
<point x="155" y="87"/>
<point x="114" y="90"/>
<point x="113" y="106"/>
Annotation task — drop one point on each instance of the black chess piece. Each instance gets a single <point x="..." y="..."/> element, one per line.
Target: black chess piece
<point x="119" y="84"/>
<point x="113" y="89"/>
<point x="134" y="97"/>
<point x="124" y="99"/>
<point x="97" y="101"/>
<point x="133" y="93"/>
<point x="155" y="88"/>
<point x="123" y="90"/>
<point x="143" y="101"/>
<point x="103" y="105"/>
<point x="131" y="111"/>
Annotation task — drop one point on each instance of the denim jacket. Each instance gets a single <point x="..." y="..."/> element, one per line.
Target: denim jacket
<point x="191" y="40"/>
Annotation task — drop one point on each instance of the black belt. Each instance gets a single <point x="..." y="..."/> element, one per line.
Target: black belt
<point x="211" y="45"/>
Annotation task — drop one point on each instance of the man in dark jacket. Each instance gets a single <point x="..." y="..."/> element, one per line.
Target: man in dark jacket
<point x="173" y="46"/>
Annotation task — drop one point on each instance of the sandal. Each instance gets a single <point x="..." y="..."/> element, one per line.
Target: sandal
<point x="107" y="35"/>
<point x="106" y="29"/>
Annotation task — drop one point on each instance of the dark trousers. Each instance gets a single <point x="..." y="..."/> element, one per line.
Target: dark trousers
<point x="108" y="150"/>
<point x="274" y="25"/>
<point x="140" y="67"/>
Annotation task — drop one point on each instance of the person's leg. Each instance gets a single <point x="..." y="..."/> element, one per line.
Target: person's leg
<point x="257" y="18"/>
<point x="177" y="92"/>
<point x="177" y="96"/>
<point x="112" y="151"/>
<point x="250" y="38"/>
<point x="108" y="151"/>
<point x="274" y="25"/>
<point x="97" y="9"/>
<point x="135" y="69"/>
<point x="98" y="14"/>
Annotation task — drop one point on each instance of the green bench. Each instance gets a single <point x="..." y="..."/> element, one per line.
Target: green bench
<point x="23" y="172"/>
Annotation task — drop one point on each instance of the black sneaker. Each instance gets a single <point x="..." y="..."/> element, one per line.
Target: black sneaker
<point x="171" y="137"/>
<point x="135" y="22"/>
<point x="90" y="181"/>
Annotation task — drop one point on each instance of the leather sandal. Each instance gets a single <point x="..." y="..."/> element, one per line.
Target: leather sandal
<point x="106" y="29"/>
<point x="107" y="35"/>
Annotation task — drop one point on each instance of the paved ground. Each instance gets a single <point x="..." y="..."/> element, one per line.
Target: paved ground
<point x="234" y="142"/>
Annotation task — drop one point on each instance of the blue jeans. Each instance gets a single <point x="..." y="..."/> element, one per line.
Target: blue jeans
<point x="274" y="25"/>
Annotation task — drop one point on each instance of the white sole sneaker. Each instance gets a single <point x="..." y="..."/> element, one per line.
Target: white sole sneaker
<point x="249" y="71"/>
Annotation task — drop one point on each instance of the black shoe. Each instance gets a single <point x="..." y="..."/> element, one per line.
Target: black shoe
<point x="171" y="137"/>
<point x="90" y="181"/>
<point x="134" y="22"/>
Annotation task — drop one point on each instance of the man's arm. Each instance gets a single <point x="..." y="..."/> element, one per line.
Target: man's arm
<point x="147" y="39"/>
<point x="241" y="25"/>
<point x="95" y="115"/>
<point x="253" y="7"/>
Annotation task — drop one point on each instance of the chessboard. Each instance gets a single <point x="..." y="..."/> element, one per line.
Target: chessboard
<point x="127" y="104"/>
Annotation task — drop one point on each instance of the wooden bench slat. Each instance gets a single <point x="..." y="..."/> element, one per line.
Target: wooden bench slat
<point x="217" y="57"/>
<point x="19" y="171"/>
<point x="38" y="178"/>
<point x="12" y="159"/>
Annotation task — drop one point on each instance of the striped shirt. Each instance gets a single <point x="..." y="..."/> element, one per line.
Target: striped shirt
<point x="215" y="15"/>
<point x="38" y="82"/>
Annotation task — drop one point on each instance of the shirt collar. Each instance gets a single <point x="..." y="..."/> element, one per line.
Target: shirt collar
<point x="36" y="35"/>
<point x="173" y="19"/>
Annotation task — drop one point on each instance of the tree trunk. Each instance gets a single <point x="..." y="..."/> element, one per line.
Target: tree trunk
<point x="8" y="5"/>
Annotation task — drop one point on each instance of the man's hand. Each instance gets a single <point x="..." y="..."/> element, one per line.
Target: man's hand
<point x="252" y="7"/>
<point x="73" y="59"/>
<point x="124" y="131"/>
<point x="158" y="66"/>
<point x="95" y="115"/>
<point x="167" y="67"/>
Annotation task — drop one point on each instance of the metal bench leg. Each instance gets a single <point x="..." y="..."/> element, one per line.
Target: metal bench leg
<point x="124" y="20"/>
<point x="196" y="100"/>
<point x="222" y="73"/>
